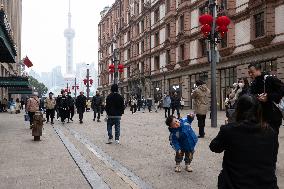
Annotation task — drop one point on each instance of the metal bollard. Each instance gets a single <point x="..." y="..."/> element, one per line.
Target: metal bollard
<point x="38" y="125"/>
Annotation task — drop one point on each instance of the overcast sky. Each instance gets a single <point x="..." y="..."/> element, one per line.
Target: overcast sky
<point x="43" y="25"/>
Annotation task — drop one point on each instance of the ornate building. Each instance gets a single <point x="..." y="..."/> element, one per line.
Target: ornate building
<point x="10" y="42"/>
<point x="163" y="50"/>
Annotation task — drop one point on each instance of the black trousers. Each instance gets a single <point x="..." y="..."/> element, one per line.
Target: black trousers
<point x="133" y="108"/>
<point x="167" y="111"/>
<point x="177" y="109"/>
<point x="81" y="113"/>
<point x="276" y="127"/>
<point x="201" y="124"/>
<point x="97" y="110"/>
<point x="50" y="113"/>
<point x="31" y="115"/>
<point x="71" y="112"/>
<point x="63" y="114"/>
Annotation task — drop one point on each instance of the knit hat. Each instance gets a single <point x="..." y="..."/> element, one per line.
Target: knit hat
<point x="114" y="88"/>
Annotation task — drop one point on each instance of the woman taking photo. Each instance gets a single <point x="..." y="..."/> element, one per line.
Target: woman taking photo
<point x="248" y="146"/>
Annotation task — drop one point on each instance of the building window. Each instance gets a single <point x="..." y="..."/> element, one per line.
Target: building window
<point x="224" y="4"/>
<point x="269" y="66"/>
<point x="181" y="52"/>
<point x="157" y="39"/>
<point x="203" y="48"/>
<point x="168" y="57"/>
<point x="157" y="63"/>
<point x="202" y="10"/>
<point x="128" y="54"/>
<point x="259" y="24"/>
<point x="137" y="29"/>
<point x="142" y="46"/>
<point x="181" y="23"/>
<point x="168" y="5"/>
<point x="142" y="67"/>
<point x="142" y="26"/>
<point x="224" y="41"/>
<point x="157" y="15"/>
<point x="168" y="30"/>
<point x="128" y="36"/>
<point x="138" y="49"/>
<point x="228" y="77"/>
<point x="128" y="72"/>
<point x="142" y="5"/>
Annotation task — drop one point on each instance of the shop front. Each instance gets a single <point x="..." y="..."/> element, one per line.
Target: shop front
<point x="175" y="86"/>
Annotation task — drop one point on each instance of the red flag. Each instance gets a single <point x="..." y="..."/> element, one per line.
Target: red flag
<point x="27" y="62"/>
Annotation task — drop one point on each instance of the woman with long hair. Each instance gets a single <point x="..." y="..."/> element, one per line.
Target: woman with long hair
<point x="249" y="149"/>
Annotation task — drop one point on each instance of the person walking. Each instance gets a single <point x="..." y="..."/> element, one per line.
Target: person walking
<point x="175" y="104"/>
<point x="4" y="104"/>
<point x="248" y="145"/>
<point x="150" y="104"/>
<point x="268" y="90"/>
<point x="167" y="105"/>
<point x="114" y="110"/>
<point x="181" y="103"/>
<point x="97" y="102"/>
<point x="63" y="106"/>
<point x="32" y="106"/>
<point x="71" y="106"/>
<point x="22" y="103"/>
<point x="133" y="107"/>
<point x="81" y="105"/>
<point x="50" y="104"/>
<point x="156" y="103"/>
<point x="18" y="106"/>
<point x="201" y="105"/>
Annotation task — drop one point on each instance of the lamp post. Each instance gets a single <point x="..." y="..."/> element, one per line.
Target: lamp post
<point x="214" y="35"/>
<point x="88" y="85"/>
<point x="164" y="74"/>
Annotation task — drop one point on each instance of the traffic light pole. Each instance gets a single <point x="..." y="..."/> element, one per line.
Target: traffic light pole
<point x="213" y="60"/>
<point x="75" y="87"/>
<point x="115" y="60"/>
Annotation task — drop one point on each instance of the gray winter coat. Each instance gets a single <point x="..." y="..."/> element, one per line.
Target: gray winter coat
<point x="167" y="102"/>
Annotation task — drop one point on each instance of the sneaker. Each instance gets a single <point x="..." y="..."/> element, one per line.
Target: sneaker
<point x="47" y="121"/>
<point x="81" y="121"/>
<point x="110" y="140"/>
<point x="188" y="168"/>
<point x="94" y="119"/>
<point x="116" y="141"/>
<point x="71" y="119"/>
<point x="98" y="120"/>
<point x="178" y="168"/>
<point x="52" y="123"/>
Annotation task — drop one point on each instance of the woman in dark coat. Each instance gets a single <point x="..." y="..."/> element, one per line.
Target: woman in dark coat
<point x="248" y="146"/>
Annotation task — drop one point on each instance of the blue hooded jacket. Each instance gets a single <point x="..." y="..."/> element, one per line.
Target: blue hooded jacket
<point x="183" y="138"/>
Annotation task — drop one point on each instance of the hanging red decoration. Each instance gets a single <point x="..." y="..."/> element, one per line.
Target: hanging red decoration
<point x="120" y="70"/>
<point x="206" y="29"/>
<point x="206" y="19"/>
<point x="91" y="81"/>
<point x="120" y="66"/>
<point x="223" y="21"/>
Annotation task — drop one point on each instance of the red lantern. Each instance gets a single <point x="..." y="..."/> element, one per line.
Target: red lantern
<point x="120" y="66"/>
<point x="91" y="82"/>
<point x="206" y="29"/>
<point x="111" y="68"/>
<point x="223" y="21"/>
<point x="77" y="87"/>
<point x="72" y="87"/>
<point x="120" y="70"/>
<point x="206" y="19"/>
<point x="85" y="81"/>
<point x="222" y="30"/>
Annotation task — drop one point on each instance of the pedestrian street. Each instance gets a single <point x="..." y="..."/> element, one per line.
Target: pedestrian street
<point x="76" y="155"/>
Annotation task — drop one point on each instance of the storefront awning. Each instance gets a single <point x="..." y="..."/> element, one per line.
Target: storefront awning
<point x="7" y="47"/>
<point x="14" y="82"/>
<point x="26" y="90"/>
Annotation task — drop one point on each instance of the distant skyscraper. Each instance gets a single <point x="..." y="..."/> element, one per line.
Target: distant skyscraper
<point x="69" y="34"/>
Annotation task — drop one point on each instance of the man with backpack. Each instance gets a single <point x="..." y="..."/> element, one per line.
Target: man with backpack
<point x="269" y="91"/>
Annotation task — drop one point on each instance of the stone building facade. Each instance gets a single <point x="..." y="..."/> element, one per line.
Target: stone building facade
<point x="10" y="40"/>
<point x="163" y="50"/>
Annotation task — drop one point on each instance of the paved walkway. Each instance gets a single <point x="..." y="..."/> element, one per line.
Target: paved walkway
<point x="144" y="159"/>
<point x="27" y="164"/>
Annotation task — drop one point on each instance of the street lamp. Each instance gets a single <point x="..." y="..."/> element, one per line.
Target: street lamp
<point x="164" y="74"/>
<point x="214" y="35"/>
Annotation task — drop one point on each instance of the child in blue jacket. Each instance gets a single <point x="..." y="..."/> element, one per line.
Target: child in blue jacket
<point x="182" y="139"/>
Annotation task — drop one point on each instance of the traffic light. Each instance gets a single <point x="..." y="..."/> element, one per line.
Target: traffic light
<point x="111" y="68"/>
<point x="222" y="23"/>
<point x="206" y="21"/>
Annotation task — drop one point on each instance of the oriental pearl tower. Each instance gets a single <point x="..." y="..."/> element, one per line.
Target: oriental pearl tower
<point x="69" y="34"/>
